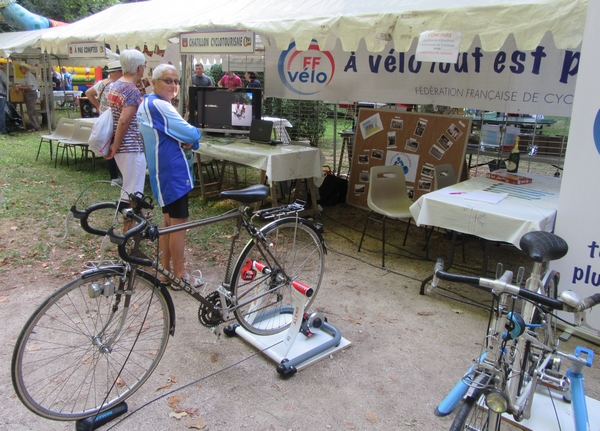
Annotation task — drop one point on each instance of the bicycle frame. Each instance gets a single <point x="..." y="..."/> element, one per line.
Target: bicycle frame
<point x="242" y="221"/>
<point x="498" y="368"/>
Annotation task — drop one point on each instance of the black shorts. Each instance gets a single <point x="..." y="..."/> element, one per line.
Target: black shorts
<point x="178" y="208"/>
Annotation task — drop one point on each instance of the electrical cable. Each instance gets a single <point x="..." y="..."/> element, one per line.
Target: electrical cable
<point x="192" y="383"/>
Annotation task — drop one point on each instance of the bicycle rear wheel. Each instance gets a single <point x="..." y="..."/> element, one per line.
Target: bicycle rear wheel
<point x="292" y="252"/>
<point x="82" y="353"/>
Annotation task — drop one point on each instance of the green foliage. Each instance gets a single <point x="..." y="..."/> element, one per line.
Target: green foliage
<point x="307" y="116"/>
<point x="215" y="72"/>
<point x="68" y="10"/>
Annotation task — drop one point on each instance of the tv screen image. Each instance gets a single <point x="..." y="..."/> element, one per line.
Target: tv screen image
<point x="223" y="109"/>
<point x="241" y="110"/>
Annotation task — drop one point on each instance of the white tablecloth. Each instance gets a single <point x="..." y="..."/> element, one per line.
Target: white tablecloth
<point x="528" y="207"/>
<point x="281" y="162"/>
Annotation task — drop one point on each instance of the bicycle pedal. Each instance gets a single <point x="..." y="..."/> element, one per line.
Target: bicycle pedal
<point x="554" y="380"/>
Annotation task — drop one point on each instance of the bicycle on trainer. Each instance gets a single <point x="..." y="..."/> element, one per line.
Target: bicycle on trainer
<point x="95" y="341"/>
<point x="520" y="349"/>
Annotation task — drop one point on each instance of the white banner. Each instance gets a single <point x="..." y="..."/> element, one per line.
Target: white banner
<point x="578" y="209"/>
<point x="541" y="81"/>
<point x="87" y="50"/>
<point x="217" y="42"/>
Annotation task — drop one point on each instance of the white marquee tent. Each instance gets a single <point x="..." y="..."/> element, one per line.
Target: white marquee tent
<point x="376" y="21"/>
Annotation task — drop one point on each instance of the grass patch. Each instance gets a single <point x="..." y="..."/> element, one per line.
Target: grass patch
<point x="35" y="198"/>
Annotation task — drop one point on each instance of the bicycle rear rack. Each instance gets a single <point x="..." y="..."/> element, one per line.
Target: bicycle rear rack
<point x="281" y="211"/>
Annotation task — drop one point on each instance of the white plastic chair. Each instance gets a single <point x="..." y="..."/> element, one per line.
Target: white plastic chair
<point x="388" y="197"/>
<point x="80" y="137"/>
<point x="64" y="130"/>
<point x="444" y="176"/>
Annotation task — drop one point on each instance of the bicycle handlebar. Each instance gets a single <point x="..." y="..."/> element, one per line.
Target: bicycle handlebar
<point x="499" y="286"/>
<point x="119" y="240"/>
<point x="82" y="216"/>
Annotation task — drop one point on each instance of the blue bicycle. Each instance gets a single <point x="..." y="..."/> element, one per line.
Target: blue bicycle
<point x="520" y="349"/>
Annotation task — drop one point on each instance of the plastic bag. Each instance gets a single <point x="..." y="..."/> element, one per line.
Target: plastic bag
<point x="102" y="134"/>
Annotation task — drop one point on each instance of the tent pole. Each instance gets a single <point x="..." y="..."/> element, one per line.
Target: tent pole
<point x="47" y="83"/>
<point x="335" y="117"/>
<point x="183" y="96"/>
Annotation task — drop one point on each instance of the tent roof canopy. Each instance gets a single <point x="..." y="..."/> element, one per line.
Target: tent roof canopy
<point x="20" y="45"/>
<point x="376" y="21"/>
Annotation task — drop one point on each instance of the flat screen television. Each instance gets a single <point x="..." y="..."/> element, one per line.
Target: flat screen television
<point x="224" y="109"/>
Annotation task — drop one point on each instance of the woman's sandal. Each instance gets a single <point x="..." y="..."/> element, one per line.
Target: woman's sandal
<point x="195" y="280"/>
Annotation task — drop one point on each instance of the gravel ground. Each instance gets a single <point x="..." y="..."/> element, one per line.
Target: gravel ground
<point x="407" y="351"/>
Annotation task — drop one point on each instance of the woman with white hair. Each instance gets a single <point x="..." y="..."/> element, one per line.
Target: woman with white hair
<point x="166" y="137"/>
<point x="127" y="147"/>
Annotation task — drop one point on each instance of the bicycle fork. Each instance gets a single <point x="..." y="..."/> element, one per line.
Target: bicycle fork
<point x="108" y="289"/>
<point x="459" y="391"/>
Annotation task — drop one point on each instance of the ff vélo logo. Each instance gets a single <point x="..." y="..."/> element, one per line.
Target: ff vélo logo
<point x="306" y="72"/>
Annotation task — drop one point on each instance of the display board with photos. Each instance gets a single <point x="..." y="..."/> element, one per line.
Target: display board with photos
<point x="417" y="141"/>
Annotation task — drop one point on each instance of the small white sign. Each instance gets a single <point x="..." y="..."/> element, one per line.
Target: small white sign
<point x="222" y="42"/>
<point x="87" y="50"/>
<point x="439" y="46"/>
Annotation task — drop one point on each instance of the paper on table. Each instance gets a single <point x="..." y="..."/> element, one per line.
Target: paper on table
<point x="483" y="196"/>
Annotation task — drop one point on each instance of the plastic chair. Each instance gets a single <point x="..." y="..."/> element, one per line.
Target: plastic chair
<point x="80" y="137"/>
<point x="388" y="197"/>
<point x="64" y="130"/>
<point x="443" y="176"/>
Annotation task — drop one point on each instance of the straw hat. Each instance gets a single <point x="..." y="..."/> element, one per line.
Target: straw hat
<point x="113" y="66"/>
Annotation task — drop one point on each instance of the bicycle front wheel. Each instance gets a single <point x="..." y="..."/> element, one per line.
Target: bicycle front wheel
<point x="87" y="347"/>
<point x="473" y="416"/>
<point x="292" y="252"/>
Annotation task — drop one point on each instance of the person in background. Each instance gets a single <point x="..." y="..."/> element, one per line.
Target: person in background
<point x="31" y="95"/>
<point x="3" y="98"/>
<point x="55" y="81"/>
<point x="199" y="79"/>
<point x="166" y="136"/>
<point x="230" y="80"/>
<point x="67" y="80"/>
<point x="127" y="147"/>
<point x="98" y="96"/>
<point x="252" y="81"/>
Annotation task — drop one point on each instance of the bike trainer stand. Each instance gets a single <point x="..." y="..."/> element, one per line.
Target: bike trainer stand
<point x="292" y="353"/>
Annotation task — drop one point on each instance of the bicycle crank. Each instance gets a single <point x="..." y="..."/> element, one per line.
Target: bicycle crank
<point x="206" y="316"/>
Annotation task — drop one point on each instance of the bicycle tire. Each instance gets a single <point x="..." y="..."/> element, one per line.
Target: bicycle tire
<point x="470" y="416"/>
<point x="296" y="253"/>
<point x="59" y="368"/>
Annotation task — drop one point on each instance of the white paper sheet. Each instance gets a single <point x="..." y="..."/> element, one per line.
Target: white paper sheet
<point x="483" y="196"/>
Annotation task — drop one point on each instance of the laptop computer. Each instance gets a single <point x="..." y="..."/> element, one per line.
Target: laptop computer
<point x="261" y="131"/>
